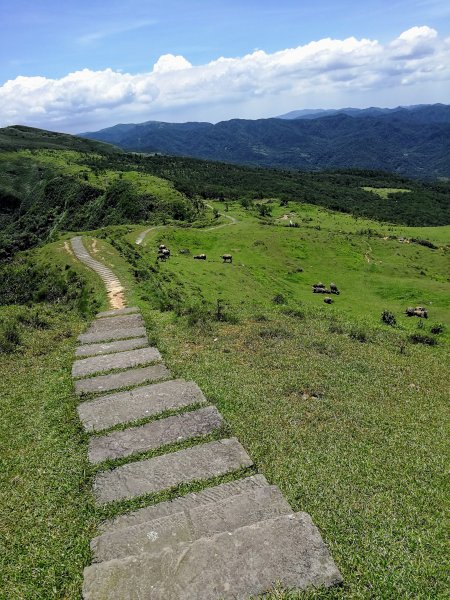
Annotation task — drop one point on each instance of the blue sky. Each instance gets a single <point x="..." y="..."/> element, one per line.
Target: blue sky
<point x="103" y="40"/>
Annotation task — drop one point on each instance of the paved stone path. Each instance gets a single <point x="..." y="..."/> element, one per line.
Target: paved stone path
<point x="230" y="540"/>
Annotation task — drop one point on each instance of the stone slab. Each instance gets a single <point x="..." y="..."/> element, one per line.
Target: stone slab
<point x="117" y="312"/>
<point x="154" y="435"/>
<point x="110" y="347"/>
<point x="183" y="503"/>
<point x="115" y="381"/>
<point x="163" y="472"/>
<point x="119" y="360"/>
<point x="231" y="565"/>
<point x="111" y="334"/>
<point x="114" y="409"/>
<point x="203" y="521"/>
<point x="123" y="322"/>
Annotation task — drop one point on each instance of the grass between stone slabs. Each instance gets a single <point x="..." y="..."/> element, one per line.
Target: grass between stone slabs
<point x="163" y="415"/>
<point x="351" y="428"/>
<point x="216" y="435"/>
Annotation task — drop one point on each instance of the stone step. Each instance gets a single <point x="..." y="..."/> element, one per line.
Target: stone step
<point x="230" y="565"/>
<point x="111" y="334"/>
<point x="116" y="381"/>
<point x="185" y="503"/>
<point x="122" y="322"/>
<point x="203" y="521"/>
<point x="124" y="407"/>
<point x="120" y="360"/>
<point x="154" y="435"/>
<point x="117" y="312"/>
<point x="111" y="347"/>
<point x="163" y="472"/>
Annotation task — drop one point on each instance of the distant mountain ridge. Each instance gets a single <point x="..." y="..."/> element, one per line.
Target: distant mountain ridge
<point x="412" y="141"/>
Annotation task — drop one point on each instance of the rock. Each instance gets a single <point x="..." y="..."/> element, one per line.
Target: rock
<point x="142" y="402"/>
<point x="154" y="435"/>
<point x="230" y="565"/>
<point x="120" y="360"/>
<point x="110" y="347"/>
<point x="163" y="472"/>
<point x="203" y="521"/>
<point x="115" y="381"/>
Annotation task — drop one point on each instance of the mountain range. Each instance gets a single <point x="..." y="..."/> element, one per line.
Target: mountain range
<point x="412" y="141"/>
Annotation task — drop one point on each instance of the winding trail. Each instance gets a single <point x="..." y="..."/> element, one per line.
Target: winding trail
<point x="141" y="237"/>
<point x="113" y="286"/>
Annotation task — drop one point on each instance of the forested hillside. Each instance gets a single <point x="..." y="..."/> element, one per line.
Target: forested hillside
<point x="56" y="182"/>
<point x="413" y="142"/>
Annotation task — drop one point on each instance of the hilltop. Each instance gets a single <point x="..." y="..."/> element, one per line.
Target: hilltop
<point x="413" y="141"/>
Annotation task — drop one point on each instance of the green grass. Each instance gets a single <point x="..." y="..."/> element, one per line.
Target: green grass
<point x="385" y="192"/>
<point x="343" y="413"/>
<point x="353" y="433"/>
<point x="373" y="271"/>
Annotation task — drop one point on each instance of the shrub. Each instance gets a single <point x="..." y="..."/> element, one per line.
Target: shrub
<point x="358" y="334"/>
<point x="34" y="319"/>
<point x="294" y="312"/>
<point x="422" y="338"/>
<point x="426" y="243"/>
<point x="388" y="318"/>
<point x="279" y="299"/>
<point x="10" y="339"/>
<point x="437" y="328"/>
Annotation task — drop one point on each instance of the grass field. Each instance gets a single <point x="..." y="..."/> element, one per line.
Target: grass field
<point x="345" y="414"/>
<point x="385" y="192"/>
<point x="373" y="273"/>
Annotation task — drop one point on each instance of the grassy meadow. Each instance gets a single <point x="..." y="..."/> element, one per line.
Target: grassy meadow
<point x="344" y="413"/>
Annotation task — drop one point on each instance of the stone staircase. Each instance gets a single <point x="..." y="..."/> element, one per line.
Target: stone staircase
<point x="231" y="540"/>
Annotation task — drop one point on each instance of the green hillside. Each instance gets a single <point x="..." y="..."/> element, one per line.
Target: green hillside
<point x="50" y="183"/>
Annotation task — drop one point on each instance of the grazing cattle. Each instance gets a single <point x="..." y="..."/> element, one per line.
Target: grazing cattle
<point x="162" y="247"/>
<point x="166" y="252"/>
<point x="200" y="256"/>
<point x="162" y="256"/>
<point x="327" y="300"/>
<point x="319" y="285"/>
<point x="334" y="289"/>
<point x="418" y="311"/>
<point x="227" y="258"/>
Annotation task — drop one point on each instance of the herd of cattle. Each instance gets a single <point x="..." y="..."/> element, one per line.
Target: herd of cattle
<point x="317" y="288"/>
<point x="164" y="254"/>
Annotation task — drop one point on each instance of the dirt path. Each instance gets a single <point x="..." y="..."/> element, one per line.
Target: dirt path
<point x="232" y="219"/>
<point x="141" y="237"/>
<point x="114" y="289"/>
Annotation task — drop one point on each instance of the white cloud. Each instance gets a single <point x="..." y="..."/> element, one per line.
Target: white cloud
<point x="321" y="73"/>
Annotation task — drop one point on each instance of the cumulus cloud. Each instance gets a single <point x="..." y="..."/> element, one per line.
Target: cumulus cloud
<point x="312" y="73"/>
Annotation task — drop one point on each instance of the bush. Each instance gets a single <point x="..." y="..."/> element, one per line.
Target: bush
<point x="34" y="319"/>
<point x="437" y="328"/>
<point x="426" y="243"/>
<point x="358" y="334"/>
<point x="388" y="318"/>
<point x="279" y="299"/>
<point x="294" y="312"/>
<point x="422" y="338"/>
<point x="10" y="338"/>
